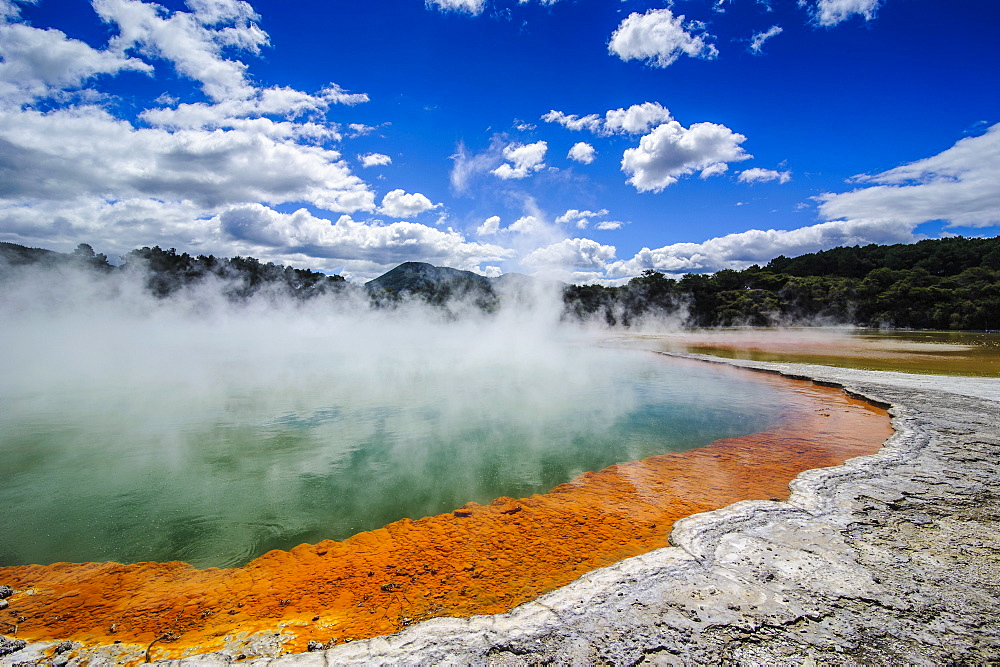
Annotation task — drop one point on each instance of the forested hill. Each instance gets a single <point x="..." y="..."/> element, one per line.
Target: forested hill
<point x="951" y="283"/>
<point x="941" y="257"/>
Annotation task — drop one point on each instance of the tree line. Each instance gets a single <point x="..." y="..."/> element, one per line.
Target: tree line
<point x="951" y="283"/>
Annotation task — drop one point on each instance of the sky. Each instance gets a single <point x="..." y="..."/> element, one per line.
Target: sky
<point x="584" y="140"/>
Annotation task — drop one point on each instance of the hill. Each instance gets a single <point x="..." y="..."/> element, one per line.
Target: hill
<point x="951" y="283"/>
<point x="436" y="285"/>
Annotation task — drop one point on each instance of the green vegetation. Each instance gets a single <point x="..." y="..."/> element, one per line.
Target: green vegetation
<point x="951" y="283"/>
<point x="948" y="284"/>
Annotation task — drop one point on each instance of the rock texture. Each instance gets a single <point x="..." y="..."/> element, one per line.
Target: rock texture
<point x="890" y="558"/>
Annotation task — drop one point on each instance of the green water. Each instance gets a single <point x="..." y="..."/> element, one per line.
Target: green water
<point x="219" y="461"/>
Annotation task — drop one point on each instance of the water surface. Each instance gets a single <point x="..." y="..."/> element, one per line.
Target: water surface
<point x="965" y="353"/>
<point x="216" y="473"/>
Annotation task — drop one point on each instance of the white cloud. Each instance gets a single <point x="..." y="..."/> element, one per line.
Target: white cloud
<point x="38" y="63"/>
<point x="832" y="12"/>
<point x="583" y="254"/>
<point x="9" y="10"/>
<point x="347" y="238"/>
<point x="468" y="165"/>
<point x="671" y="151"/>
<point x="758" y="39"/>
<point x="214" y="12"/>
<point x="580" y="218"/>
<point x="400" y="204"/>
<point x="489" y="227"/>
<point x="375" y="160"/>
<point x="958" y="185"/>
<point x="85" y="152"/>
<point x="590" y="122"/>
<point x="193" y="42"/>
<point x="609" y="225"/>
<point x="717" y="169"/>
<point x="758" y="175"/>
<point x="250" y="113"/>
<point x="659" y="38"/>
<point x="738" y="251"/>
<point x="528" y="224"/>
<point x="473" y="7"/>
<point x="522" y="160"/>
<point x="582" y="152"/>
<point x="637" y="119"/>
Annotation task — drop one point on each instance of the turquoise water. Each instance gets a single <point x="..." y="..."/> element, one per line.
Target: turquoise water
<point x="215" y="461"/>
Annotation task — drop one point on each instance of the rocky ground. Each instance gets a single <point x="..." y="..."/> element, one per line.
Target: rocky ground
<point x="891" y="558"/>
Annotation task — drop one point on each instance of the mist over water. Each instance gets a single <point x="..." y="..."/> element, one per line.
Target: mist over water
<point x="196" y="429"/>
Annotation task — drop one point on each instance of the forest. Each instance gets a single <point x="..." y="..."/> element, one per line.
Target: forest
<point x="951" y="283"/>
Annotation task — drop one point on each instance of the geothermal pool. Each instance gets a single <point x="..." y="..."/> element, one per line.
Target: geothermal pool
<point x="218" y="458"/>
<point x="968" y="353"/>
<point x="391" y="473"/>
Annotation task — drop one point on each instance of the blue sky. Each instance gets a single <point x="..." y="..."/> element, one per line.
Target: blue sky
<point x="581" y="139"/>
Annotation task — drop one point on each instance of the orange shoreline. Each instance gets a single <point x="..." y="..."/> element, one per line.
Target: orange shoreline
<point x="479" y="559"/>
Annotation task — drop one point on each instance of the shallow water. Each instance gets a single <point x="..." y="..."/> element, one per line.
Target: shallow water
<point x="172" y="470"/>
<point x="965" y="353"/>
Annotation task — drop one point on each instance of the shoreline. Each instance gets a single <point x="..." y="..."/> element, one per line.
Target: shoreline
<point x="891" y="557"/>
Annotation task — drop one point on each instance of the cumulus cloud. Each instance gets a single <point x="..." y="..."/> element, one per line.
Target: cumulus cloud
<point x="659" y="38"/>
<point x="522" y="160"/>
<point x="758" y="175"/>
<point x="582" y="152"/>
<point x="832" y="12"/>
<point x="758" y="39"/>
<point x="490" y="226"/>
<point x="84" y="151"/>
<point x="580" y="218"/>
<point x="528" y="224"/>
<point x="958" y="185"/>
<point x="349" y="239"/>
<point x="671" y="151"/>
<point x="583" y="254"/>
<point x="667" y="152"/>
<point x="738" y="251"/>
<point x="192" y="41"/>
<point x="636" y="119"/>
<point x="374" y="160"/>
<point x="69" y="169"/>
<point x="607" y="225"/>
<point x="302" y="113"/>
<point x="590" y="122"/>
<point x="39" y="63"/>
<point x="473" y="7"/>
<point x="400" y="204"/>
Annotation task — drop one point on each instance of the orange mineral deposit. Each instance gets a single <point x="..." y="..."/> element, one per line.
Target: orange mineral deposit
<point x="479" y="559"/>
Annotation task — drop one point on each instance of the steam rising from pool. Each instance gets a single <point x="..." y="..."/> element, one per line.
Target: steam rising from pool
<point x="135" y="429"/>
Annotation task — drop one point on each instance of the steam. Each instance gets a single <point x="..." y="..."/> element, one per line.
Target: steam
<point x="121" y="411"/>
